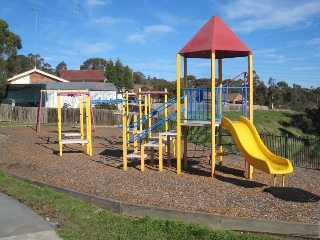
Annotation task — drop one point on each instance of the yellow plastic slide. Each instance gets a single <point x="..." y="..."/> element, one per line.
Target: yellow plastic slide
<point x="253" y="149"/>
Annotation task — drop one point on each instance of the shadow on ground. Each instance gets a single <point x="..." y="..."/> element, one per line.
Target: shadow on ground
<point x="292" y="194"/>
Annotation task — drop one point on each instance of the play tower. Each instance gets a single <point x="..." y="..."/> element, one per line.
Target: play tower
<point x="215" y="41"/>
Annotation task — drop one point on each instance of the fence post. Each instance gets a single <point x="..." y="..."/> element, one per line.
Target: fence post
<point x="286" y="146"/>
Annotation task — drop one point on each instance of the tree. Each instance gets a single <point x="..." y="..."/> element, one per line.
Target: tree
<point x="10" y="43"/>
<point x="61" y="66"/>
<point x="94" y="64"/>
<point x="25" y="63"/>
<point x="260" y="93"/>
<point x="299" y="100"/>
<point x="128" y="77"/>
<point x="120" y="74"/>
<point x="110" y="72"/>
<point x="139" y="77"/>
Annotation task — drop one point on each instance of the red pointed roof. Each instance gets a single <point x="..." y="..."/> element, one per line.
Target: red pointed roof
<point x="81" y="74"/>
<point x="215" y="37"/>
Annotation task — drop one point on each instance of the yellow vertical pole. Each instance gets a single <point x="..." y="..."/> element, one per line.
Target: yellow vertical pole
<point x="220" y="111"/>
<point x="81" y="118"/>
<point x="59" y="124"/>
<point x="88" y="125"/>
<point x="185" y="75"/>
<point x="127" y="104"/>
<point x="145" y="106"/>
<point x="250" y="78"/>
<point x="213" y="114"/>
<point x="185" y="114"/>
<point x="160" y="153"/>
<point x="185" y="129"/>
<point x="166" y="109"/>
<point x="127" y="114"/>
<point x="178" y="115"/>
<point x="135" y="142"/>
<point x="142" y="158"/>
<point x="140" y="109"/>
<point x="124" y="142"/>
<point x="149" y="110"/>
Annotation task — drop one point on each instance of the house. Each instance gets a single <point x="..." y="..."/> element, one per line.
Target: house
<point x="34" y="76"/>
<point x="82" y="75"/>
<point x="24" y="89"/>
<point x="98" y="91"/>
<point x="232" y="98"/>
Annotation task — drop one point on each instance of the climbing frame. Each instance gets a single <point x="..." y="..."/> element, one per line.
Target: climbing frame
<point x="80" y="138"/>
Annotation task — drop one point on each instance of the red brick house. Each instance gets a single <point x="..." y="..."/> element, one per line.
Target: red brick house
<point x="34" y="76"/>
<point x="82" y="75"/>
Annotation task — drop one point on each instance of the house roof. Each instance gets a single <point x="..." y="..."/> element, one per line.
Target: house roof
<point x="81" y="74"/>
<point x="215" y="37"/>
<point x="34" y="70"/>
<point x="231" y="97"/>
<point x="91" y="86"/>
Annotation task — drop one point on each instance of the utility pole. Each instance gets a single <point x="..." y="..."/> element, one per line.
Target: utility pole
<point x="78" y="9"/>
<point x="36" y="34"/>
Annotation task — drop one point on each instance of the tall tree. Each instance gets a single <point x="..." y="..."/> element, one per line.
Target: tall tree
<point x="120" y="74"/>
<point x="10" y="43"/>
<point x="139" y="77"/>
<point x="128" y="78"/>
<point x="25" y="63"/>
<point x="110" y="72"/>
<point x="61" y="66"/>
<point x="94" y="64"/>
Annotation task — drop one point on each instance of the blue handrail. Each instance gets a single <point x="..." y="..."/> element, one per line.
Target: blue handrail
<point x="155" y="111"/>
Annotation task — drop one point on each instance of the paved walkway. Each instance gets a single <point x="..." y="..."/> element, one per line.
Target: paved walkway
<point x="19" y="222"/>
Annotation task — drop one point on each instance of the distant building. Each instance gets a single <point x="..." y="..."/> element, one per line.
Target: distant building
<point x="34" y="76"/>
<point x="24" y="88"/>
<point x="82" y="75"/>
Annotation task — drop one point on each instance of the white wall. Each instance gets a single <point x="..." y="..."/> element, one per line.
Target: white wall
<point x="23" y="80"/>
<point x="74" y="102"/>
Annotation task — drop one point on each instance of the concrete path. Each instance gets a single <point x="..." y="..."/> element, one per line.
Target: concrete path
<point x="18" y="222"/>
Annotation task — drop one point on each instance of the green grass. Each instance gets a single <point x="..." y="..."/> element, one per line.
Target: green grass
<point x="81" y="220"/>
<point x="271" y="121"/>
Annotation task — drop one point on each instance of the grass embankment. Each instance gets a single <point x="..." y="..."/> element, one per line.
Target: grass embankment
<point x="81" y="220"/>
<point x="272" y="121"/>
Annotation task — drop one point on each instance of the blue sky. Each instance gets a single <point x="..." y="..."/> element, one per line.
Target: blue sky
<point x="284" y="35"/>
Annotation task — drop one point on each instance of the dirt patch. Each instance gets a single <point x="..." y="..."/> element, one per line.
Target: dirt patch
<point x="35" y="155"/>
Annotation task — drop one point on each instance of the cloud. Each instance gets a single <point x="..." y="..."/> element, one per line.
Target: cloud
<point x="152" y="33"/>
<point x="315" y="41"/>
<point x="98" y="2"/>
<point x="140" y="38"/>
<point x="170" y="19"/>
<point x="91" y="49"/>
<point x="110" y="20"/>
<point x="264" y="51"/>
<point x="303" y="68"/>
<point x="252" y="15"/>
<point x="158" y="29"/>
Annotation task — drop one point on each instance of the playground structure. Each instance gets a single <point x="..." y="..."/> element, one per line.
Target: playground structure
<point x="141" y="128"/>
<point x="72" y="97"/>
<point x="253" y="149"/>
<point x="82" y="136"/>
<point x="220" y="43"/>
<point x="214" y="41"/>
